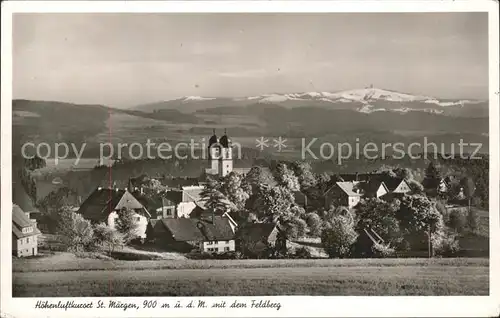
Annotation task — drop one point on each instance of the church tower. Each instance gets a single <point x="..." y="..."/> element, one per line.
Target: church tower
<point x="226" y="158"/>
<point x="214" y="153"/>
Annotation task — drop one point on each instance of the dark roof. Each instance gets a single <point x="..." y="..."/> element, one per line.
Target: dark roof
<point x="21" y="198"/>
<point x="102" y="202"/>
<point x="224" y="141"/>
<point x="354" y="176"/>
<point x="257" y="231"/>
<point x="174" y="196"/>
<point x="179" y="182"/>
<point x="370" y="187"/>
<point x="350" y="187"/>
<point x="390" y="182"/>
<point x="19" y="221"/>
<point x="212" y="140"/>
<point x="184" y="229"/>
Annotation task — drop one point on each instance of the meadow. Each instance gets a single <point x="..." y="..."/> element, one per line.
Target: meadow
<point x="253" y="277"/>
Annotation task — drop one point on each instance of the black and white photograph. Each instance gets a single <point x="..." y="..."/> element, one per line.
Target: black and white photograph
<point x="250" y="154"/>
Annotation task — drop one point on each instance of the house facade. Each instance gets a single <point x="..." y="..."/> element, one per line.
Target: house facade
<point x="105" y="204"/>
<point x="345" y="193"/>
<point x="24" y="234"/>
<point x="211" y="235"/>
<point x="354" y="187"/>
<point x="179" y="203"/>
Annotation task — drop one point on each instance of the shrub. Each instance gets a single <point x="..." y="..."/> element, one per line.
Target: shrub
<point x="338" y="237"/>
<point x="314" y="223"/>
<point x="448" y="246"/>
<point x="107" y="238"/>
<point x="382" y="250"/>
<point x="127" y="225"/>
<point x="76" y="232"/>
<point x="457" y="220"/>
<point x="473" y="221"/>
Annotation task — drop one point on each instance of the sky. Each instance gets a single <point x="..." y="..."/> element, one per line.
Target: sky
<point x="128" y="59"/>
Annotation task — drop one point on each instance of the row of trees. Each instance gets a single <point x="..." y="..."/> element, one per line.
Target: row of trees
<point x="376" y="228"/>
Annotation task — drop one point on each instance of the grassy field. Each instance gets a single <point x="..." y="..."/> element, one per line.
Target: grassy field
<point x="67" y="262"/>
<point x="253" y="277"/>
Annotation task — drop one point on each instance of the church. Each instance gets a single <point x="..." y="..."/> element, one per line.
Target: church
<point x="220" y="157"/>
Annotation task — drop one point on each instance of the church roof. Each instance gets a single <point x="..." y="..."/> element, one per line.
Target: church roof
<point x="213" y="140"/>
<point x="224" y="141"/>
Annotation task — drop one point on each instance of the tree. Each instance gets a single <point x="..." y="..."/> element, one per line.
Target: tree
<point x="286" y="177"/>
<point x="404" y="173"/>
<point x="215" y="200"/>
<point x="306" y="177"/>
<point x="233" y="190"/>
<point x="379" y="215"/>
<point x="293" y="227"/>
<point x="432" y="178"/>
<point x="107" y="238"/>
<point x="338" y="236"/>
<point x="314" y="223"/>
<point x="415" y="186"/>
<point x="387" y="170"/>
<point x="270" y="203"/>
<point x="418" y="218"/>
<point x="456" y="220"/>
<point x="156" y="185"/>
<point x="254" y="178"/>
<point x="77" y="233"/>
<point x="416" y="213"/>
<point x="127" y="225"/>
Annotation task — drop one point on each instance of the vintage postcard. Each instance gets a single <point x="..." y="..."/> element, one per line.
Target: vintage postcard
<point x="250" y="159"/>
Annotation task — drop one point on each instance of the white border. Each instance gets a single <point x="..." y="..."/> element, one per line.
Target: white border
<point x="292" y="306"/>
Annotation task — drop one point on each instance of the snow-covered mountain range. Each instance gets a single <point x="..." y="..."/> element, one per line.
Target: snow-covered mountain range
<point x="365" y="100"/>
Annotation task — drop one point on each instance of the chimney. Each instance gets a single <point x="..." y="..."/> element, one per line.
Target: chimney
<point x="142" y="190"/>
<point x="357" y="175"/>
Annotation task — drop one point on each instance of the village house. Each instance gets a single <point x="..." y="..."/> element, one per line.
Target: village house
<point x="353" y="187"/>
<point x="212" y="235"/>
<point x="24" y="234"/>
<point x="257" y="238"/>
<point x="346" y="193"/>
<point x="178" y="203"/>
<point x="104" y="205"/>
<point x="395" y="185"/>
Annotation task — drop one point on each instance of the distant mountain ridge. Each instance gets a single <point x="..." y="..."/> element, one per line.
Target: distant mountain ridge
<point x="365" y="100"/>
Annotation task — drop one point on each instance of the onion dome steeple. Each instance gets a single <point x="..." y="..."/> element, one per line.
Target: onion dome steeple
<point x="212" y="140"/>
<point x="224" y="140"/>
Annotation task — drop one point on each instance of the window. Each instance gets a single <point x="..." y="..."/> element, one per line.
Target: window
<point x="216" y="242"/>
<point x="216" y="249"/>
<point x="226" y="249"/>
<point x="27" y="240"/>
<point x="209" y="243"/>
<point x="28" y="229"/>
<point x="137" y="218"/>
<point x="227" y="242"/>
